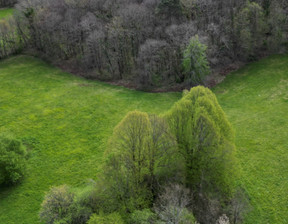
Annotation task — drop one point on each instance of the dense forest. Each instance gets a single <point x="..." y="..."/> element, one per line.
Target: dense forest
<point x="146" y="42"/>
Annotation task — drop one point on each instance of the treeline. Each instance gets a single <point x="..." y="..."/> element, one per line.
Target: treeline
<point x="175" y="168"/>
<point x="144" y="40"/>
<point x="7" y="3"/>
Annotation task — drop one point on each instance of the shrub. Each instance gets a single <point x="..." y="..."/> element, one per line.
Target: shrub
<point x="12" y="160"/>
<point x="113" y="218"/>
<point x="57" y="205"/>
<point x="62" y="205"/>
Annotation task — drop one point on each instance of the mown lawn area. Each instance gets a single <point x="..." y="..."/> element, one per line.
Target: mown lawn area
<point x="4" y="13"/>
<point x="65" y="121"/>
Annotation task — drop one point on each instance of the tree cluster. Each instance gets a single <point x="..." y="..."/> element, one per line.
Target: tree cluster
<point x="165" y="169"/>
<point x="146" y="41"/>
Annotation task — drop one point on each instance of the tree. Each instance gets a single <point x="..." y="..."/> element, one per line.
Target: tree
<point x="12" y="160"/>
<point x="172" y="203"/>
<point x="206" y="140"/>
<point x="195" y="63"/>
<point x="250" y="29"/>
<point x="139" y="152"/>
<point x="170" y="8"/>
<point x="277" y="18"/>
<point x="145" y="216"/>
<point x="155" y="63"/>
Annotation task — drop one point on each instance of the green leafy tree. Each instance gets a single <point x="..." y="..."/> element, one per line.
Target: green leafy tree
<point x="206" y="141"/>
<point x="12" y="160"/>
<point x="139" y="152"/>
<point x="145" y="216"/>
<point x="195" y="63"/>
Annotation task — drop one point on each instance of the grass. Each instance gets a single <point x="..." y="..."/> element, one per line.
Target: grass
<point x="255" y="99"/>
<point x="66" y="121"/>
<point x="4" y="13"/>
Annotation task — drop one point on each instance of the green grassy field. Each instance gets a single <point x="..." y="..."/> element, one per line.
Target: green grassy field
<point x="66" y="121"/>
<point x="4" y="13"/>
<point x="255" y="99"/>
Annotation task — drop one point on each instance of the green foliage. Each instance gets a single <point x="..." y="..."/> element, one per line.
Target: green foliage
<point x="145" y="216"/>
<point x="12" y="160"/>
<point x="61" y="205"/>
<point x="140" y="149"/>
<point x="57" y="204"/>
<point x="206" y="141"/>
<point x="113" y="218"/>
<point x="195" y="63"/>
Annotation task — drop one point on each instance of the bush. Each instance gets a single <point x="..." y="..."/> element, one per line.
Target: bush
<point x="62" y="205"/>
<point x="113" y="218"/>
<point x="12" y="160"/>
<point x="57" y="205"/>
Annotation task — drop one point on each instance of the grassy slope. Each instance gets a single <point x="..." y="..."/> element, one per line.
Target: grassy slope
<point x="67" y="121"/>
<point x="5" y="13"/>
<point x="256" y="101"/>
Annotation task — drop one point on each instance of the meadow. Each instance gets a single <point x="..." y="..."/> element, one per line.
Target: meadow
<point x="65" y="122"/>
<point x="4" y="13"/>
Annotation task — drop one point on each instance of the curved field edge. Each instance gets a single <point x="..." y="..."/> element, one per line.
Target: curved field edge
<point x="65" y="121"/>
